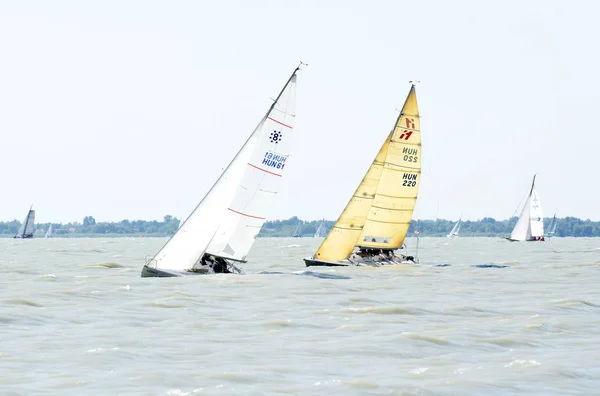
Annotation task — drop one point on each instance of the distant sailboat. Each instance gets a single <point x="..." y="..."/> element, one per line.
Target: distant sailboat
<point x="320" y="230"/>
<point x="376" y="219"/>
<point x="455" y="230"/>
<point x="224" y="225"/>
<point x="530" y="226"/>
<point x="49" y="232"/>
<point x="298" y="231"/>
<point x="26" y="229"/>
<point x="552" y="227"/>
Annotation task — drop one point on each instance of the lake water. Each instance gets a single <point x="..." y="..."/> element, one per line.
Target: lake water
<point x="478" y="316"/>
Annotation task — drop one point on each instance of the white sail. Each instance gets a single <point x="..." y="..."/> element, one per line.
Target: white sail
<point x="530" y="224"/>
<point x="522" y="230"/>
<point x="536" y="216"/>
<point x="455" y="230"/>
<point x="260" y="182"/>
<point x="225" y="223"/>
<point x="319" y="231"/>
<point x="298" y="231"/>
<point x="27" y="227"/>
<point x="552" y="226"/>
<point x="49" y="232"/>
<point x="19" y="233"/>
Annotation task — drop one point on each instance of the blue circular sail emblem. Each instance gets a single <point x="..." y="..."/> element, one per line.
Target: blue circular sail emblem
<point x="276" y="137"/>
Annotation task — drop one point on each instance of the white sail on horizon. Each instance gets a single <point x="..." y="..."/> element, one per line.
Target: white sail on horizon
<point x="530" y="224"/>
<point x="27" y="227"/>
<point x="319" y="232"/>
<point x="455" y="230"/>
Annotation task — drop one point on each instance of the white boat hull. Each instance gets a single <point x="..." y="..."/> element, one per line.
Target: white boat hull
<point x="151" y="272"/>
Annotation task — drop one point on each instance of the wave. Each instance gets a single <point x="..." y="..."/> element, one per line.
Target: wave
<point x="489" y="266"/>
<point x="386" y="310"/>
<point x="571" y="302"/>
<point x="427" y="338"/>
<point x="163" y="305"/>
<point x="21" y="301"/>
<point x="107" y="265"/>
<point x="305" y="273"/>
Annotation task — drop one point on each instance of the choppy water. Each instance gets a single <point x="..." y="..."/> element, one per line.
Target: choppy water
<point x="479" y="316"/>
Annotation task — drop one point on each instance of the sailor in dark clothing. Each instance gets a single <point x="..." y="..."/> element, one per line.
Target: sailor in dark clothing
<point x="220" y="266"/>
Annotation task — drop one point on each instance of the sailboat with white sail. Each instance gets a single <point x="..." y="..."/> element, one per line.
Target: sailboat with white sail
<point x="222" y="228"/>
<point x="552" y="228"/>
<point x="49" y="232"/>
<point x="320" y="233"/>
<point x="27" y="228"/>
<point x="298" y="231"/>
<point x="374" y="223"/>
<point x="455" y="230"/>
<point x="530" y="225"/>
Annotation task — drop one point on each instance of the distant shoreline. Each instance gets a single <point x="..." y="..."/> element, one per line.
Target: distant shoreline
<point x="486" y="227"/>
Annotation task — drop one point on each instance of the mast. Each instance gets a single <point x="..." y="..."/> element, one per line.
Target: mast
<point x="532" y="185"/>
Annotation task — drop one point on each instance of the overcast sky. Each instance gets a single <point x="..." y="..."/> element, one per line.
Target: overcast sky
<point x="131" y="109"/>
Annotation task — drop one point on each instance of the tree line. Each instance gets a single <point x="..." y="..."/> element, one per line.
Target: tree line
<point x="566" y="227"/>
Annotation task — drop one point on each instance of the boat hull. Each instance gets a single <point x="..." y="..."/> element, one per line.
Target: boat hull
<point x="526" y="240"/>
<point x="312" y="262"/>
<point x="149" y="272"/>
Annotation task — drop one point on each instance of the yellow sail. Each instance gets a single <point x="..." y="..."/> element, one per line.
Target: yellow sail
<point x="392" y="208"/>
<point x="342" y="238"/>
<point x="380" y="210"/>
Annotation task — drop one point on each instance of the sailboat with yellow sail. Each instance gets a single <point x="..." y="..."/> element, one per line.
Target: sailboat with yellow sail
<point x="375" y="221"/>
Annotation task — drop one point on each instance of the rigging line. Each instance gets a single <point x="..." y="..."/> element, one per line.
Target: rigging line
<point x="519" y="205"/>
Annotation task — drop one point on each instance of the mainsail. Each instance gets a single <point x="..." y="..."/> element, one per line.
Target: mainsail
<point x="27" y="228"/>
<point x="455" y="230"/>
<point x="379" y="213"/>
<point x="49" y="232"/>
<point x="225" y="223"/>
<point x="530" y="225"/>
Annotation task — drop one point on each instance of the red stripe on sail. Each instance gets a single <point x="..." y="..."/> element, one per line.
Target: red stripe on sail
<point x="247" y="215"/>
<point x="264" y="170"/>
<point x="279" y="122"/>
